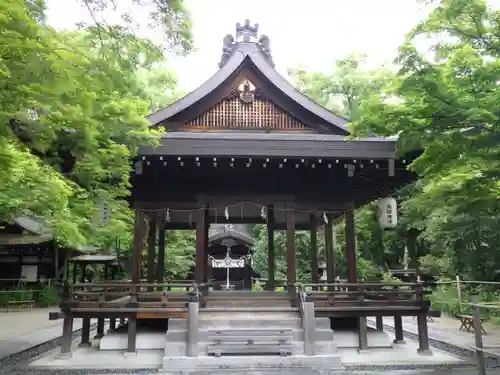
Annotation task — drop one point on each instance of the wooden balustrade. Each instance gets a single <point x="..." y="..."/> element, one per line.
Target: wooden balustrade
<point x="368" y="298"/>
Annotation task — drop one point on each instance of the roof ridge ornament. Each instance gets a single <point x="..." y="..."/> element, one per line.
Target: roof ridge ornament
<point x="245" y="33"/>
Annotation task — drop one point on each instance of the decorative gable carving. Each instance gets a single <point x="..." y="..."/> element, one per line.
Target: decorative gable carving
<point x="245" y="108"/>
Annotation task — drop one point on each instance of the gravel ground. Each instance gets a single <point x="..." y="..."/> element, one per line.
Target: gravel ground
<point x="17" y="364"/>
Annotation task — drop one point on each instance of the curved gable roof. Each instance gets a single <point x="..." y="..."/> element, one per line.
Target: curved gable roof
<point x="231" y="234"/>
<point x="251" y="52"/>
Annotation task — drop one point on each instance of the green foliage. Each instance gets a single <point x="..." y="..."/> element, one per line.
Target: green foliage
<point x="367" y="270"/>
<point x="180" y="251"/>
<point x="73" y="113"/>
<point x="257" y="287"/>
<point x="49" y="296"/>
<point x="19" y="293"/>
<point x="446" y="105"/>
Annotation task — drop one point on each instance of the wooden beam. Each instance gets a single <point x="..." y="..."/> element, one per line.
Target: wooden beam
<point x="270" y="248"/>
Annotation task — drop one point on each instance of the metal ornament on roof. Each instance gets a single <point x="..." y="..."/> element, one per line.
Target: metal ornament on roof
<point x="247" y="92"/>
<point x="228" y="262"/>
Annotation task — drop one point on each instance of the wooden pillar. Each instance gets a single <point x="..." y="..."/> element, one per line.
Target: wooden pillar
<point x="112" y="324"/>
<point x="151" y="250"/>
<point x="205" y="241"/>
<point x="291" y="250"/>
<point x="398" y="330"/>
<point x="100" y="328"/>
<point x="112" y="321"/>
<point x="423" y="333"/>
<point x="55" y="250"/>
<point x="85" y="343"/>
<point x="362" y="327"/>
<point x="132" y="333"/>
<point x="330" y="266"/>
<point x="106" y="268"/>
<point x="313" y="249"/>
<point x="137" y="239"/>
<point x="67" y="337"/>
<point x="200" y="247"/>
<point x="75" y="272"/>
<point x="379" y="323"/>
<point x="350" y="233"/>
<point x="160" y="269"/>
<point x="83" y="266"/>
<point x="271" y="263"/>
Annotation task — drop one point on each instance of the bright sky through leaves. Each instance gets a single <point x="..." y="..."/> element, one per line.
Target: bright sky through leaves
<point x="312" y="34"/>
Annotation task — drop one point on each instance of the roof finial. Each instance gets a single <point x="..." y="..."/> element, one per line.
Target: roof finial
<point x="246" y="33"/>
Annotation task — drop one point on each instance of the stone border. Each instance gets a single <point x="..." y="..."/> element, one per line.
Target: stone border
<point x="17" y="364"/>
<point x="11" y="362"/>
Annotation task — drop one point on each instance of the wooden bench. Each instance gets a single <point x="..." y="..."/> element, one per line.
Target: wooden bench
<point x="20" y="305"/>
<point x="467" y="323"/>
<point x="250" y="341"/>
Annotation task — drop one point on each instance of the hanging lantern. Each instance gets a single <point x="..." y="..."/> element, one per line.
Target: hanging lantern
<point x="387" y="213"/>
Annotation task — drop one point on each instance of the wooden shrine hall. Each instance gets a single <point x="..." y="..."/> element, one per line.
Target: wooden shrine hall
<point x="246" y="147"/>
<point x="229" y="258"/>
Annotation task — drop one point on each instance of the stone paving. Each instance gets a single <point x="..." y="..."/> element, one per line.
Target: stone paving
<point x="446" y="329"/>
<point x="23" y="330"/>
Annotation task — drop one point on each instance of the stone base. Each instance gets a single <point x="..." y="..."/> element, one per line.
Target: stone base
<point x="399" y="342"/>
<point x="426" y="352"/>
<point x="144" y="341"/>
<point x="188" y="365"/>
<point x="84" y="345"/>
<point x="130" y="354"/>
<point x="64" y="355"/>
<point x="349" y="339"/>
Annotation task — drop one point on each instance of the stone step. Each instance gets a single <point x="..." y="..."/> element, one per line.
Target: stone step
<point x="230" y="323"/>
<point x="249" y="314"/>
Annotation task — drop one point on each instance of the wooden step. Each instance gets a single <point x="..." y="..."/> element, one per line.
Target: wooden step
<point x="250" y="339"/>
<point x="250" y="309"/>
<point x="218" y="350"/>
<point x="247" y="331"/>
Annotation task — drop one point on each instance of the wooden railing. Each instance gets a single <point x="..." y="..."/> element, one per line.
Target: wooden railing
<point x="368" y="296"/>
<point x="126" y="297"/>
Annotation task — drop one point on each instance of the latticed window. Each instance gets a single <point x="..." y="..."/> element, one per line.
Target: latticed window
<point x="245" y="110"/>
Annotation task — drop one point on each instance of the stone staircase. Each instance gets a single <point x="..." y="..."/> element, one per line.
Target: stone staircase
<point x="244" y="323"/>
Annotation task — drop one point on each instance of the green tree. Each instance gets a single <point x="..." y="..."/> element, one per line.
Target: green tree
<point x="72" y="116"/>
